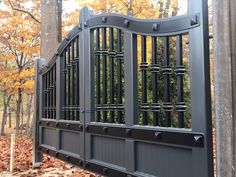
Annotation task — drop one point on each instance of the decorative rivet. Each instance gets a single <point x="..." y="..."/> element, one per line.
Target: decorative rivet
<point x="56" y="53"/>
<point x="81" y="111"/>
<point x="67" y="38"/>
<point x="68" y="125"/>
<point x="128" y="132"/>
<point x="56" y="154"/>
<point x="155" y="27"/>
<point x="104" y="19"/>
<point x="81" y="127"/>
<point x="79" y="27"/>
<point x="126" y="23"/>
<point x="105" y="170"/>
<point x="67" y="158"/>
<point x="158" y="135"/>
<point x="47" y="66"/>
<point x="85" y="24"/>
<point x="194" y="20"/>
<point x="105" y="129"/>
<point x="198" y="140"/>
<point x="130" y="14"/>
<point x="86" y="165"/>
<point x="81" y="163"/>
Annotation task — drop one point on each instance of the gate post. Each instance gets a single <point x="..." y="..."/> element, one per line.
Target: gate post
<point x="59" y="96"/>
<point x="37" y="154"/>
<point x="200" y="87"/>
<point x="131" y="94"/>
<point x="86" y="74"/>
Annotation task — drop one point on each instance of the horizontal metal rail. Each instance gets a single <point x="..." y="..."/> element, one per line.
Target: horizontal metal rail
<point x="88" y="165"/>
<point x="157" y="135"/>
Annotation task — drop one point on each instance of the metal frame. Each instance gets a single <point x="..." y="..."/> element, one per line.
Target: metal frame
<point x="126" y="148"/>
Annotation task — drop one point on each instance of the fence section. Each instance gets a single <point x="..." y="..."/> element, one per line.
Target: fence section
<point x="130" y="97"/>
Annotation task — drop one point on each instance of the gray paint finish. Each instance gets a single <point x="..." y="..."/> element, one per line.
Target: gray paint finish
<point x="200" y="89"/>
<point x="66" y="144"/>
<point x="37" y="155"/>
<point x="104" y="153"/>
<point x="163" y="161"/>
<point x="109" y="150"/>
<point x="49" y="137"/>
<point x="131" y="93"/>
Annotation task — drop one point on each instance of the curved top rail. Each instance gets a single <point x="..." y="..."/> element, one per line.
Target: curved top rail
<point x="70" y="36"/>
<point x="159" y="27"/>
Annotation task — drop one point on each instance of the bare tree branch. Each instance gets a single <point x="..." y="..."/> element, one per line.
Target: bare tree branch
<point x="24" y="11"/>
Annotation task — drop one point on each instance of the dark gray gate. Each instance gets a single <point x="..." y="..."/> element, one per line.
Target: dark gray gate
<point x="115" y="98"/>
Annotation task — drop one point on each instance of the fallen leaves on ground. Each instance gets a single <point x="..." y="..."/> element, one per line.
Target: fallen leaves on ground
<point x="50" y="167"/>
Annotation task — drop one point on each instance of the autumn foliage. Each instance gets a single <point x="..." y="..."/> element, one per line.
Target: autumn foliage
<point x="19" y="46"/>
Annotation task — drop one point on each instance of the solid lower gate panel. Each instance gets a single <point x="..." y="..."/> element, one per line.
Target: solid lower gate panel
<point x="109" y="154"/>
<point x="129" y="97"/>
<point x="62" y="140"/>
<point x="113" y="150"/>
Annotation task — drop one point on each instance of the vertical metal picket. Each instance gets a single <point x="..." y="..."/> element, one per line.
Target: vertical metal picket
<point x="200" y="87"/>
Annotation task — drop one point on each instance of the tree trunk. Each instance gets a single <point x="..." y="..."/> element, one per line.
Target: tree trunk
<point x="6" y="101"/>
<point x="224" y="31"/>
<point x="22" y="119"/>
<point x="18" y="107"/>
<point x="9" y="118"/>
<point x="167" y="9"/>
<point x="161" y="9"/>
<point x="50" y="27"/>
<point x="175" y="9"/>
<point x="4" y="115"/>
<point x="130" y="8"/>
<point x="30" y="99"/>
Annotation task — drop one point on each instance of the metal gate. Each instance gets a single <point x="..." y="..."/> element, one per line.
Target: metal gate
<point x="116" y="99"/>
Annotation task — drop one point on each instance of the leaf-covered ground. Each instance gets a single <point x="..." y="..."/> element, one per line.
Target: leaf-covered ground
<point x="50" y="167"/>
